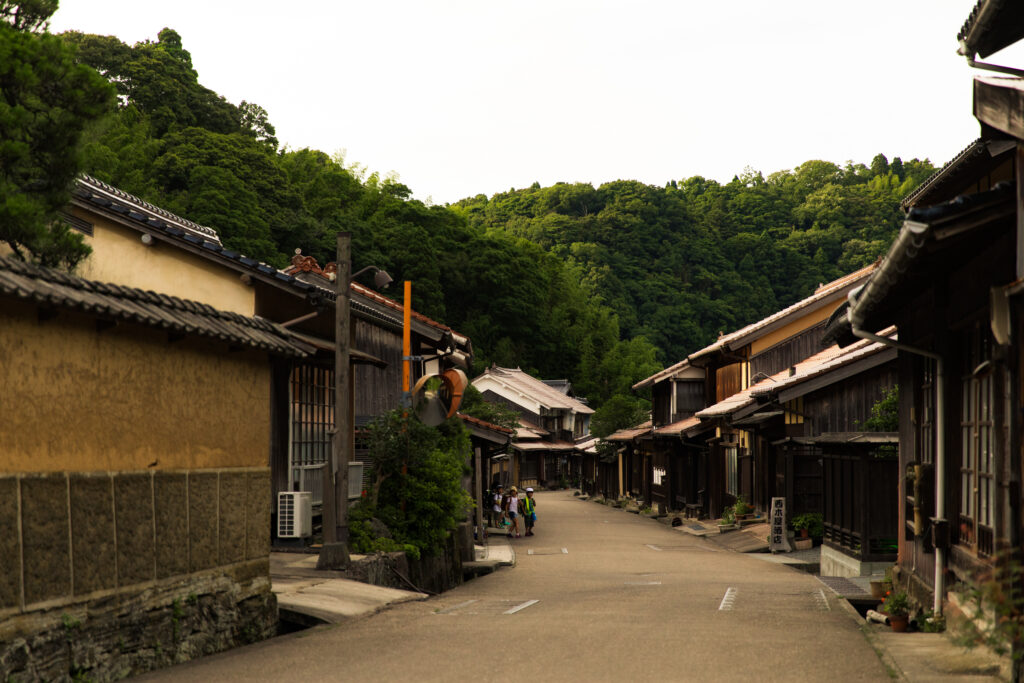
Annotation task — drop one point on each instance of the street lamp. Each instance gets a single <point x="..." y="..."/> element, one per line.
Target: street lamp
<point x="334" y="553"/>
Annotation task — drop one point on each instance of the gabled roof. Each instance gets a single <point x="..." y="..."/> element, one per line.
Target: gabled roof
<point x="679" y="368"/>
<point x="824" y="295"/>
<point x="100" y="197"/>
<point x="522" y="383"/>
<point x="53" y="288"/>
<point x="735" y="405"/>
<point x="936" y="237"/>
<point x="817" y="366"/>
<point x="588" y="445"/>
<point x="991" y="26"/>
<point x="830" y="370"/>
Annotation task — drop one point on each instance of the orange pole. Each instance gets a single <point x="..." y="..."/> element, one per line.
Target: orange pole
<point x="407" y="338"/>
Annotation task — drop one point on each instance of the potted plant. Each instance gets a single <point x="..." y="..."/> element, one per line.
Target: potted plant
<point x="897" y="606"/>
<point x="809" y="525"/>
<point x="728" y="521"/>
<point x="742" y="510"/>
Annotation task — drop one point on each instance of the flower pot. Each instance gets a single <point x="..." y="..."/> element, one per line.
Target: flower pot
<point x="899" y="624"/>
<point x="804" y="533"/>
<point x="803" y="543"/>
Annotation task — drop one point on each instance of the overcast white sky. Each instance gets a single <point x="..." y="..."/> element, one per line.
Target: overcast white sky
<point x="462" y="97"/>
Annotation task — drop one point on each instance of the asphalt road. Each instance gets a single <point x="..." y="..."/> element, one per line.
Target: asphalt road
<point x="597" y="594"/>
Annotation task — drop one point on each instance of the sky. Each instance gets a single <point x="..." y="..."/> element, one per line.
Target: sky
<point x="466" y="97"/>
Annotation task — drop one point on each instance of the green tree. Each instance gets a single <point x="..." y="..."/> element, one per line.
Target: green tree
<point x="417" y="478"/>
<point x="46" y="100"/>
<point x="619" y="412"/>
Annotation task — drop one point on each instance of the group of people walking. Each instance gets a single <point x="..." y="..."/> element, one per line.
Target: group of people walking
<point x="508" y="508"/>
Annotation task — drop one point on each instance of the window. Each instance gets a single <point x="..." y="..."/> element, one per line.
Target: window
<point x="689" y="398"/>
<point x="731" y="471"/>
<point x="926" y="420"/>
<point x="977" y="473"/>
<point x="312" y="420"/>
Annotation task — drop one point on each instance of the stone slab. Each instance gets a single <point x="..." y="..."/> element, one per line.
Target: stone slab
<point x="335" y="600"/>
<point x="257" y="514"/>
<point x="133" y="507"/>
<point x="45" y="533"/>
<point x="92" y="532"/>
<point x="170" y="498"/>
<point x="203" y="519"/>
<point x="231" y="510"/>
<point x="10" y="544"/>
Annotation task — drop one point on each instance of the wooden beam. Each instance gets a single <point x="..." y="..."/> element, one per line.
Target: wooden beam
<point x="999" y="103"/>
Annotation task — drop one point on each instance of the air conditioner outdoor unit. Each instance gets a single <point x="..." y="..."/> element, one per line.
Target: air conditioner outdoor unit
<point x="294" y="514"/>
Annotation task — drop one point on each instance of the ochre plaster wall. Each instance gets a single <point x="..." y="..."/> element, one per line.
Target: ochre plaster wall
<point x="793" y="328"/>
<point x="119" y="256"/>
<point x="76" y="399"/>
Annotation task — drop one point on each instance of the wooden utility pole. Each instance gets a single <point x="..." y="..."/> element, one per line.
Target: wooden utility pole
<point x="334" y="554"/>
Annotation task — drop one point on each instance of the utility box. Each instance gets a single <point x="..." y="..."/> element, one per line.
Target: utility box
<point x="294" y="514"/>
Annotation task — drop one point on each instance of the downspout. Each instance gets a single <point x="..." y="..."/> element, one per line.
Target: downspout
<point x="940" y="445"/>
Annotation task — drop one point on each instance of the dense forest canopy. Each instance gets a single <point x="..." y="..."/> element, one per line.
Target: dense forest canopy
<point x="603" y="285"/>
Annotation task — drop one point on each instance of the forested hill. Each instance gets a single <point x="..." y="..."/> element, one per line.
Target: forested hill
<point x="682" y="262"/>
<point x="602" y="286"/>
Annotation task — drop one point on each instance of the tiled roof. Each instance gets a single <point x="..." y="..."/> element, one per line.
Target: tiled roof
<point x="851" y="354"/>
<point x="687" y="427"/>
<point x="98" y="192"/>
<point x="112" y="302"/>
<point x="534" y="388"/>
<point x="952" y="169"/>
<point x="630" y="433"/>
<point x="95" y="193"/>
<point x="824" y="294"/>
<point x="483" y="424"/>
<point x="991" y="26"/>
<point x="658" y="376"/>
<point x="742" y="399"/>
<point x="543" y="445"/>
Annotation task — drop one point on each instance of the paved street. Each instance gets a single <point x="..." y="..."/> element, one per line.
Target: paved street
<point x="598" y="594"/>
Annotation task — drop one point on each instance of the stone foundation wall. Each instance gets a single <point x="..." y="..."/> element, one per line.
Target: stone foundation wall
<point x="114" y="573"/>
<point x="435" y="574"/>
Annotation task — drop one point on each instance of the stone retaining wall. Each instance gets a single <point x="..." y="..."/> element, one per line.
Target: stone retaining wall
<point x="114" y="573"/>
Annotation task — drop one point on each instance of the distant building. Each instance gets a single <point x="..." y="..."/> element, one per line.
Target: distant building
<point x="552" y="425"/>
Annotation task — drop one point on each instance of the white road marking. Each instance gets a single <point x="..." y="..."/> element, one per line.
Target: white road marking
<point x="821" y="601"/>
<point x="530" y="551"/>
<point x="565" y="551"/>
<point x="446" y="610"/>
<point x="643" y="583"/>
<point x="522" y="606"/>
<point x="653" y="547"/>
<point x="728" y="600"/>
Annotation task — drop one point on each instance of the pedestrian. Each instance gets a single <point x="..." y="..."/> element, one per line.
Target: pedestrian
<point x="513" y="511"/>
<point x="497" y="499"/>
<point x="529" y="511"/>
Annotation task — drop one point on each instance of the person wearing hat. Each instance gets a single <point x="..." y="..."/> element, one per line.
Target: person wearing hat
<point x="529" y="510"/>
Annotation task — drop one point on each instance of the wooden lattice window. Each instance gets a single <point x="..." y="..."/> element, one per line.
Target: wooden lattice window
<point x="977" y="471"/>
<point x="311" y="426"/>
